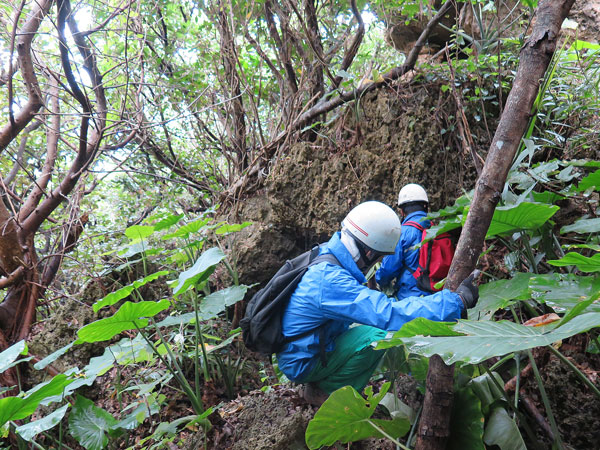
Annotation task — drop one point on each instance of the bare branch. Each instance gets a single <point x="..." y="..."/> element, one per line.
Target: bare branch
<point x="354" y="46"/>
<point x="34" y="101"/>
<point x="282" y="47"/>
<point x="18" y="158"/>
<point x="52" y="134"/>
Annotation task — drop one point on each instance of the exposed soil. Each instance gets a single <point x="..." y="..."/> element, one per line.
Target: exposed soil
<point x="574" y="405"/>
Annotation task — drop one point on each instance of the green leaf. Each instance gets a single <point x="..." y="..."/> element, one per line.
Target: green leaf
<point x="130" y="351"/>
<point x="139" y="232"/>
<point x="79" y="380"/>
<point x="226" y="228"/>
<point x="200" y="271"/>
<point x="217" y="302"/>
<point x="524" y="216"/>
<point x="397" y="408"/>
<point x="90" y="424"/>
<point x="129" y="316"/>
<point x="345" y="417"/>
<point x="501" y="430"/>
<point x="591" y="181"/>
<point x="487" y="391"/>
<point x="580" y="45"/>
<point x="167" y="222"/>
<point x="16" y="408"/>
<point x="185" y="231"/>
<point x="10" y="355"/>
<point x="563" y="292"/>
<point x="418" y="327"/>
<point x="546" y="197"/>
<point x="40" y="365"/>
<point x="171" y="428"/>
<point x="139" y="412"/>
<point x="500" y="294"/>
<point x="211" y="306"/>
<point x="582" y="226"/>
<point x="583" y="263"/>
<point x="466" y="423"/>
<point x="125" y="291"/>
<point x="32" y="429"/>
<point x="443" y="227"/>
<point x="484" y="340"/>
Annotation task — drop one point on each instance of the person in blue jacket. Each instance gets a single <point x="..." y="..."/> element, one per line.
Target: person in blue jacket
<point x="330" y="298"/>
<point x="413" y="203"/>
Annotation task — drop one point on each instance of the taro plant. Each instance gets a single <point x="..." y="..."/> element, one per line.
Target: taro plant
<point x="346" y="417"/>
<point x="159" y="353"/>
<point x="550" y="295"/>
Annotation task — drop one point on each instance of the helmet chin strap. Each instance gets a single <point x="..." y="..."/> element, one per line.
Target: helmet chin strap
<point x="358" y="251"/>
<point x="350" y="245"/>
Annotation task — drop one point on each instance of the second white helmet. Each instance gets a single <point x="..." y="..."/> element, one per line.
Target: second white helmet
<point x="412" y="193"/>
<point x="375" y="225"/>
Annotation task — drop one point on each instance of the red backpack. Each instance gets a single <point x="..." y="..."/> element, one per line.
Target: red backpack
<point x="435" y="257"/>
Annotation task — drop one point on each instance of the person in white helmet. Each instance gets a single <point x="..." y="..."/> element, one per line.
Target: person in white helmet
<point x="330" y="297"/>
<point x="402" y="264"/>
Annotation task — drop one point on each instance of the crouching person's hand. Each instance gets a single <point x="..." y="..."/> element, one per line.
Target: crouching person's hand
<point x="468" y="290"/>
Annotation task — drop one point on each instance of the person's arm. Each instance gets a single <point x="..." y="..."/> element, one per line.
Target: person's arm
<point x="391" y="266"/>
<point x="343" y="298"/>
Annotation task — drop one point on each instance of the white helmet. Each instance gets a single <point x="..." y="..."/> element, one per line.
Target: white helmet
<point x="375" y="225"/>
<point x="412" y="193"/>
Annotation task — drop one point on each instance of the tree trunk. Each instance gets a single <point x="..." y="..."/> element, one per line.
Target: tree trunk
<point x="534" y="60"/>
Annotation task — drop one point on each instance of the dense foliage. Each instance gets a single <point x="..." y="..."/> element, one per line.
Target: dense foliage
<point x="153" y="117"/>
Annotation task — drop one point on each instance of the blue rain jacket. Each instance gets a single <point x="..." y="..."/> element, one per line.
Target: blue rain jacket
<point x="334" y="294"/>
<point x="403" y="263"/>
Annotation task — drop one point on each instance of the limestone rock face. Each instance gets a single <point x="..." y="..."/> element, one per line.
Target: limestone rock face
<point x="391" y="138"/>
<point x="484" y="24"/>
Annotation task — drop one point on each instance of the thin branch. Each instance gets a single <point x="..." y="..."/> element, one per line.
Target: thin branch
<point x="52" y="134"/>
<point x="34" y="102"/>
<point x="353" y="49"/>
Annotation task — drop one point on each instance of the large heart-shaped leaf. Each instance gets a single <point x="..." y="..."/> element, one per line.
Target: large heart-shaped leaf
<point x="500" y="294"/>
<point x="125" y="291"/>
<point x="591" y="181"/>
<point x="200" y="271"/>
<point x="564" y="292"/>
<point x="483" y="340"/>
<point x="32" y="429"/>
<point x="8" y="357"/>
<point x="167" y="222"/>
<point x="211" y="306"/>
<point x="346" y="417"/>
<point x="16" y="408"/>
<point x="417" y="327"/>
<point x="524" y="216"/>
<point x="227" y="228"/>
<point x="90" y="425"/>
<point x="129" y="316"/>
<point x="501" y="430"/>
<point x="582" y="226"/>
<point x="138" y="232"/>
<point x="583" y="263"/>
<point x="185" y="230"/>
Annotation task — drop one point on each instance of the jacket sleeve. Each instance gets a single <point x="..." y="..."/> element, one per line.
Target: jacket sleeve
<point x="344" y="298"/>
<point x="392" y="265"/>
